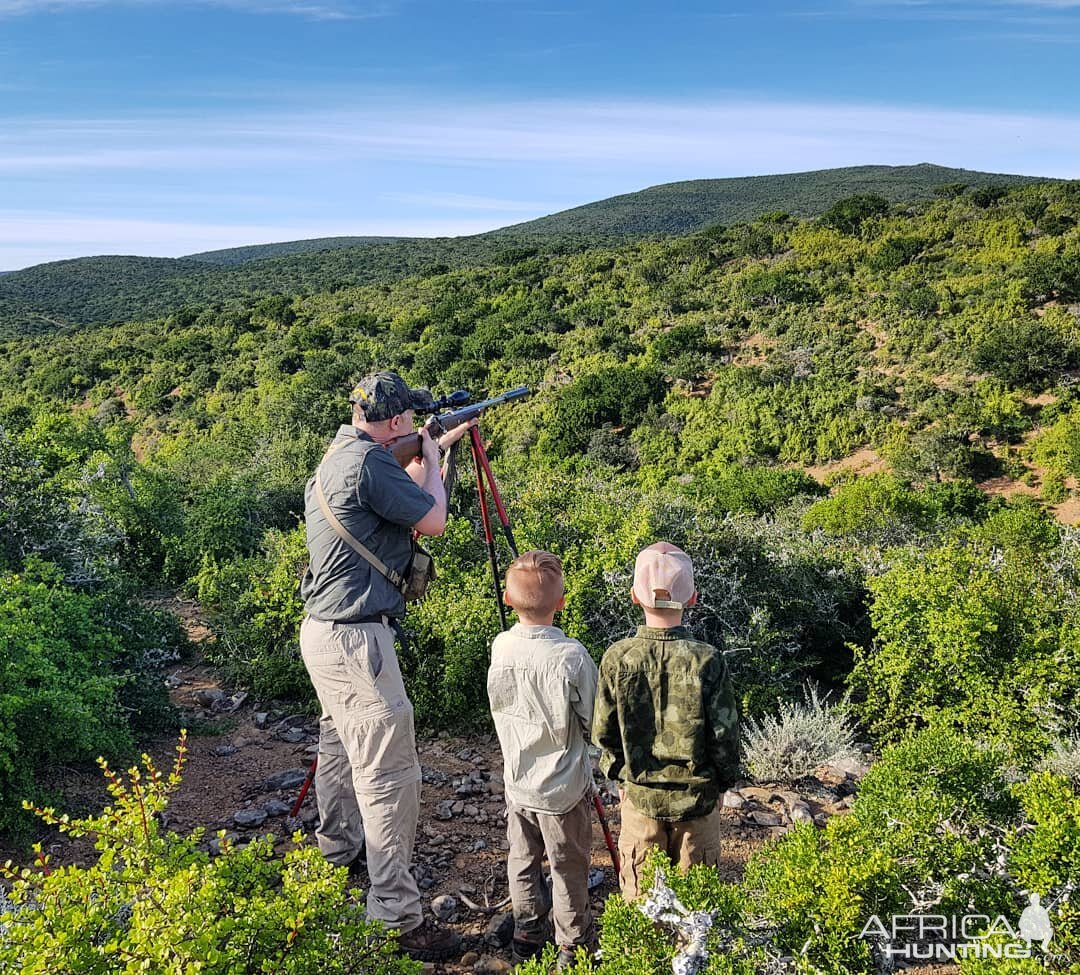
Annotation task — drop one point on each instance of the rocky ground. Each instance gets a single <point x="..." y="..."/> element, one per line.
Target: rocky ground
<point x="248" y="759"/>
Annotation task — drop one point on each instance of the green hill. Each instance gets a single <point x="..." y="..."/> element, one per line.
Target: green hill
<point x="93" y="290"/>
<point x="258" y="252"/>
<point x="679" y="208"/>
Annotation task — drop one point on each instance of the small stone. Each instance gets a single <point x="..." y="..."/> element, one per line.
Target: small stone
<point x="444" y="907"/>
<point x="500" y="930"/>
<point x="469" y="958"/>
<point x="289" y="779"/>
<point x="276" y="807"/>
<point x="217" y="842"/>
<point x="732" y="800"/>
<point x="261" y="718"/>
<point x="444" y="810"/>
<point x="596" y="878"/>
<point x="425" y="883"/>
<point x="821" y="819"/>
<point x="762" y="817"/>
<point x="207" y="697"/>
<point x="293" y="735"/>
<point x="173" y="681"/>
<point x="438" y="840"/>
<point x="471" y="811"/>
<point x="458" y="808"/>
<point x="490" y="965"/>
<point x="479" y="845"/>
<point x="249" y="818"/>
<point x="800" y="813"/>
<point x="309" y="816"/>
<point x="851" y="767"/>
<point x="223" y="750"/>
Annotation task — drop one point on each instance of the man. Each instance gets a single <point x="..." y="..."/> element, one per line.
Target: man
<point x="368" y="776"/>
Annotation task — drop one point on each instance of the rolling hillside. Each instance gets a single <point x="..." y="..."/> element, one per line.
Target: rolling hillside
<point x="680" y="208"/>
<point x="92" y="290"/>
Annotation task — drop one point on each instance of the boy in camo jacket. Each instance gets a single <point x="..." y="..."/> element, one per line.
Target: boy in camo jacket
<point x="666" y="723"/>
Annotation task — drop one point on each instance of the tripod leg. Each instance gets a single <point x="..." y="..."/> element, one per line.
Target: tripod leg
<point x="504" y="518"/>
<point x="485" y="518"/>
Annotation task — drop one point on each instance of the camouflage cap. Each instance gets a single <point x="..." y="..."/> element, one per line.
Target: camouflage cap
<point x="664" y="577"/>
<point x="383" y="395"/>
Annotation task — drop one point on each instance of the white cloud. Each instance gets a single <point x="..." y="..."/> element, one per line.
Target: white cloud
<point x="703" y="140"/>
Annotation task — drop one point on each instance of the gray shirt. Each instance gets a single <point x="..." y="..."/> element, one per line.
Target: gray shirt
<point x="378" y="503"/>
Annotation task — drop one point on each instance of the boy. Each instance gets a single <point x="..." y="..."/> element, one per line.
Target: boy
<point x="666" y="723"/>
<point x="541" y="686"/>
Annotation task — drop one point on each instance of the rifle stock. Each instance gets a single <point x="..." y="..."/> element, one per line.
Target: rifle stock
<point x="406" y="448"/>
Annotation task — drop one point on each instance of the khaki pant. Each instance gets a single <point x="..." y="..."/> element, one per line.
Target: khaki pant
<point x="567" y="840"/>
<point x="686" y="842"/>
<point x="368" y="779"/>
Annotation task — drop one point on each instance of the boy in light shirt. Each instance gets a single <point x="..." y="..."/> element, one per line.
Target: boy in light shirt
<point x="542" y="686"/>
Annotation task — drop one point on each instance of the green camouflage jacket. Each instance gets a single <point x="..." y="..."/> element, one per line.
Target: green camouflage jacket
<point x="666" y="722"/>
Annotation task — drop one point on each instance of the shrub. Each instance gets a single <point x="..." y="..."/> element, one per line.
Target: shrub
<point x="256" y="618"/>
<point x="980" y="635"/>
<point x="154" y="902"/>
<point x="1064" y="759"/>
<point x="78" y="672"/>
<point x="920" y="833"/>
<point x="632" y="944"/>
<point x="804" y="736"/>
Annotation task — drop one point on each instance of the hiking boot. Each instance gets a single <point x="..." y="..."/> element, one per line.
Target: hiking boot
<point x="429" y="942"/>
<point x="565" y="958"/>
<point x="522" y="950"/>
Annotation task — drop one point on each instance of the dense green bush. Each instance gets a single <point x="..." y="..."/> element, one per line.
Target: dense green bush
<point x="155" y="902"/>
<point x="979" y="635"/>
<point x="78" y="672"/>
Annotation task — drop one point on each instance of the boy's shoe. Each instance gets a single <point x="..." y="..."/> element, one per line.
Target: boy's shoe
<point x="522" y="950"/>
<point x="429" y="942"/>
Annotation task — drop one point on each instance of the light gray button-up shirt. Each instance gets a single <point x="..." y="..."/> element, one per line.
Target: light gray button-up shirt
<point x="542" y="686"/>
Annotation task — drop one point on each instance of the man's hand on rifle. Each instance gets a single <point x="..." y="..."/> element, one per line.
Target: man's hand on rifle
<point x="451" y="437"/>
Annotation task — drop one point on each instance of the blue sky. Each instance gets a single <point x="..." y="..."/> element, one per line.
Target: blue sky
<point x="165" y="127"/>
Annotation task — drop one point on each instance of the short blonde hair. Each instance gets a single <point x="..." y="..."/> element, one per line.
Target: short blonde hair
<point x="534" y="583"/>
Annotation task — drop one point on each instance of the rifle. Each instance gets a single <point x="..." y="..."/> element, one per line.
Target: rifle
<point x="406" y="448"/>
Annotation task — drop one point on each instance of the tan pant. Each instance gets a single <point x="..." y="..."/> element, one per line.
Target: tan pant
<point x="567" y="840"/>
<point x="686" y="842"/>
<point x="368" y="778"/>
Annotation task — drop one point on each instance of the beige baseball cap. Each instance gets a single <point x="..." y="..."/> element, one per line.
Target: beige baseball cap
<point x="664" y="577"/>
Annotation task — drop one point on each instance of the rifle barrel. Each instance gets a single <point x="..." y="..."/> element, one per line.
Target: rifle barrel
<point x="406" y="448"/>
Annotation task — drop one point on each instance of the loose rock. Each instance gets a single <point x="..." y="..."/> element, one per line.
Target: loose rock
<point x="490" y="965"/>
<point x="207" y="697"/>
<point x="249" y="818"/>
<point x="444" y="907"/>
<point x="732" y="800"/>
<point x="499" y="931"/>
<point x="289" y="779"/>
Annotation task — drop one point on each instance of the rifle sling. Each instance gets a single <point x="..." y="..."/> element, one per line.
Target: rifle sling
<point x="394" y="578"/>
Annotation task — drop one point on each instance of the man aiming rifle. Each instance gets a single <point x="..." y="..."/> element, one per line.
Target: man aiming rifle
<point x="362" y="507"/>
